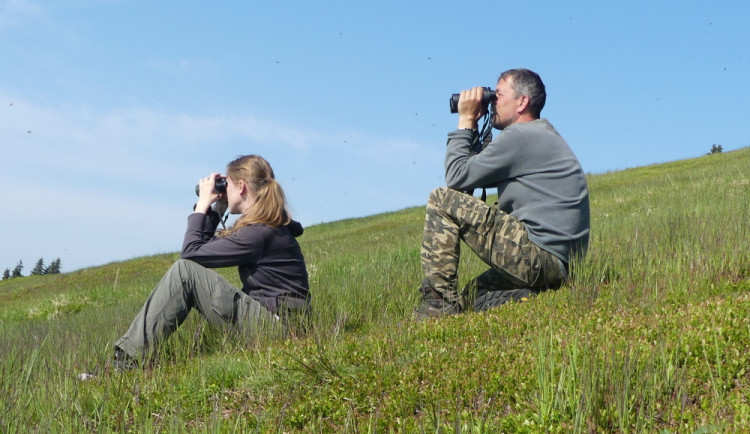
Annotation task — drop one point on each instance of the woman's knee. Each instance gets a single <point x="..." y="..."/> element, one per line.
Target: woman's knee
<point x="185" y="264"/>
<point x="185" y="269"/>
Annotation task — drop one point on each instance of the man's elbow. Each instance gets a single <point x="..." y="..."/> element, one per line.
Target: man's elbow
<point x="454" y="185"/>
<point x="455" y="182"/>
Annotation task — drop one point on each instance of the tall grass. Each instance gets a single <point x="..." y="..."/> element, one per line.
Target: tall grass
<point x="651" y="333"/>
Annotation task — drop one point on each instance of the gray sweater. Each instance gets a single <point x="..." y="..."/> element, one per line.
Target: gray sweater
<point x="539" y="181"/>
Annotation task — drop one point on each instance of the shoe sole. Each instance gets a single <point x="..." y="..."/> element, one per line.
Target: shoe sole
<point x="489" y="299"/>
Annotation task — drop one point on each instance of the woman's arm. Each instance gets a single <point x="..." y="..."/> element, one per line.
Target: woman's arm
<point x="245" y="246"/>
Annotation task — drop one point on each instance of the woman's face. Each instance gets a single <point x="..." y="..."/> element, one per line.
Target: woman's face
<point x="239" y="196"/>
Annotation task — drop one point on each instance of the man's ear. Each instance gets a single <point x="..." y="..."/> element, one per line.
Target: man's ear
<point x="523" y="103"/>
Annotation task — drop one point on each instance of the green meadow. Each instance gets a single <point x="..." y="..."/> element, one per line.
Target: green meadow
<point x="652" y="333"/>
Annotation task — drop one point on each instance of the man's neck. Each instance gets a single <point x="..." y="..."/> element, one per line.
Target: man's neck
<point x="525" y="117"/>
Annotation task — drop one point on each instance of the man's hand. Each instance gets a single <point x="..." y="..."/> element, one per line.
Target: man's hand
<point x="470" y="108"/>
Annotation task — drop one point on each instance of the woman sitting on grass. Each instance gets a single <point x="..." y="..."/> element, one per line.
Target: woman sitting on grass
<point x="261" y="244"/>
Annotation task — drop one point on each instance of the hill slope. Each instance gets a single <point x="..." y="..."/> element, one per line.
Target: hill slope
<point x="650" y="334"/>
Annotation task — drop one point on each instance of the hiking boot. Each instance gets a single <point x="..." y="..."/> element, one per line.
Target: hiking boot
<point x="488" y="299"/>
<point x="433" y="304"/>
<point x="123" y="362"/>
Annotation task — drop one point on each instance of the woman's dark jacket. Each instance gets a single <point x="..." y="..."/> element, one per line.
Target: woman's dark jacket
<point x="269" y="260"/>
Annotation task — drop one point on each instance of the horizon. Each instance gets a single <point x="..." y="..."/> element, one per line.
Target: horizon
<point x="10" y="269"/>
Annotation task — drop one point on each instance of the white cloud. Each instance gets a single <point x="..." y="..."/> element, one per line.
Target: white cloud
<point x="127" y="143"/>
<point x="137" y="142"/>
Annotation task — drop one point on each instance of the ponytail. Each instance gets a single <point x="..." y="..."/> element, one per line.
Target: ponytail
<point x="270" y="203"/>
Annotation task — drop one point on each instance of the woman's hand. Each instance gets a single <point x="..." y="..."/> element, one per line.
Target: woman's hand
<point x="207" y="194"/>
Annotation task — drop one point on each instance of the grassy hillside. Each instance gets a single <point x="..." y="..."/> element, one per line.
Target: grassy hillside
<point x="651" y="334"/>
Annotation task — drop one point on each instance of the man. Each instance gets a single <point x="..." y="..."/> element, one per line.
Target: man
<point x="541" y="221"/>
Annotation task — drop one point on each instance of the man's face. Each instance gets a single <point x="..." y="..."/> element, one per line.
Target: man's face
<point x="505" y="109"/>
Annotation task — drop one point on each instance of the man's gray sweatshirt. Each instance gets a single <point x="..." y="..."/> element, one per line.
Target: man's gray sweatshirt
<point x="539" y="181"/>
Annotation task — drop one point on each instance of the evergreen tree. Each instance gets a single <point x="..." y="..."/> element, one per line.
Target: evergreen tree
<point x="38" y="268"/>
<point x="54" y="267"/>
<point x="17" y="270"/>
<point x="6" y="274"/>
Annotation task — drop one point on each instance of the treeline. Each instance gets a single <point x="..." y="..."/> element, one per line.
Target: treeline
<point x="39" y="269"/>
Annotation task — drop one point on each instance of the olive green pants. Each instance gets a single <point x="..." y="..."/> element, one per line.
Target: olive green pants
<point x="499" y="239"/>
<point x="187" y="286"/>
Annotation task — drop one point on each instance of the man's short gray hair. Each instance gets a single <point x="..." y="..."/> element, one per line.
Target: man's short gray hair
<point x="527" y="82"/>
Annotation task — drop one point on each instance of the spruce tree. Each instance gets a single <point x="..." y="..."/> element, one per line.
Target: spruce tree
<point x="38" y="268"/>
<point x="17" y="270"/>
<point x="6" y="274"/>
<point x="54" y="267"/>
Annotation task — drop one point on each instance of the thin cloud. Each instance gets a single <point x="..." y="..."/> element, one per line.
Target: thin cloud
<point x="69" y="135"/>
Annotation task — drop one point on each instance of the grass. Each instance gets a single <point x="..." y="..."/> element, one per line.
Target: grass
<point x="650" y="335"/>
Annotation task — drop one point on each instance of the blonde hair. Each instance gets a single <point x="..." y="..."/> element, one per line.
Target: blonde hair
<point x="270" y="203"/>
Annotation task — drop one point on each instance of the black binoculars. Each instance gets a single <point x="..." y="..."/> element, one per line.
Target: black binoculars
<point x="220" y="185"/>
<point x="487" y="97"/>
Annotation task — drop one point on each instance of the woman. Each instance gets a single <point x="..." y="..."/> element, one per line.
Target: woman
<point x="261" y="244"/>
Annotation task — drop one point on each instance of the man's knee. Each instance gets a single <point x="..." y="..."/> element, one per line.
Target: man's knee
<point x="444" y="198"/>
<point x="438" y="194"/>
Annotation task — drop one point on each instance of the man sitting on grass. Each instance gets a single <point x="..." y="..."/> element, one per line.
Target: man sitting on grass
<point x="541" y="219"/>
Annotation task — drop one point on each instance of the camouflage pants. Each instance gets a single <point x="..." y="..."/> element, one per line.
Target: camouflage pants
<point x="499" y="239"/>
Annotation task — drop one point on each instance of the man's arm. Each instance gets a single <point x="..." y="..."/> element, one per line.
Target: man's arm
<point x="465" y="170"/>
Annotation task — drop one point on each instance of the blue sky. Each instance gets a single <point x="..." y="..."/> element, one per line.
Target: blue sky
<point x="111" y="110"/>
